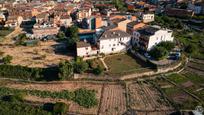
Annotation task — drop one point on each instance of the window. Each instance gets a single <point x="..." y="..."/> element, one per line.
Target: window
<point x="113" y="44"/>
<point x="109" y="45"/>
<point x="118" y="44"/>
<point x="120" y="39"/>
<point x="86" y="48"/>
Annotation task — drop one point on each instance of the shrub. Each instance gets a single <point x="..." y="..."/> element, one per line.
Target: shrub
<point x="167" y="45"/>
<point x="7" y="59"/>
<point x="190" y="48"/>
<point x="85" y="98"/>
<point x="80" y="66"/>
<point x="60" y="108"/>
<point x="98" y="70"/>
<point x="14" y="98"/>
<point x="65" y="70"/>
<point x="19" y="72"/>
<point x="90" y="63"/>
<point x="158" y="52"/>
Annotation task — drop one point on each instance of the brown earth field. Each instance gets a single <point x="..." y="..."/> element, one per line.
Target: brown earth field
<point x="111" y="96"/>
<point x="45" y="54"/>
<point x="144" y="97"/>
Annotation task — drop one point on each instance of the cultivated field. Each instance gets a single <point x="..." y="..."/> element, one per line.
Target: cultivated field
<point x="45" y="54"/>
<point x="113" y="100"/>
<point x="143" y="97"/>
<point x="56" y="87"/>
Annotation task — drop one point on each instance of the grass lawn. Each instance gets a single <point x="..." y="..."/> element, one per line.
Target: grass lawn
<point x="120" y="64"/>
<point x="180" y="99"/>
<point x="177" y="78"/>
<point x="195" y="78"/>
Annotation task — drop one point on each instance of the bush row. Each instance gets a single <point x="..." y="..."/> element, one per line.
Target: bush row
<point x="84" y="97"/>
<point x="26" y="73"/>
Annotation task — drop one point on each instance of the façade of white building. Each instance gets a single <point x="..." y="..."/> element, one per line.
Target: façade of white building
<point x="113" y="41"/>
<point x="146" y="38"/>
<point x="147" y="17"/>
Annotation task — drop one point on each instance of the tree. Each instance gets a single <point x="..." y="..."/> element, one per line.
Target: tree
<point x="98" y="70"/>
<point x="65" y="70"/>
<point x="158" y="52"/>
<point x="72" y="33"/>
<point x="60" y="35"/>
<point x="7" y="59"/>
<point x="190" y="48"/>
<point x="80" y="66"/>
<point x="60" y="108"/>
<point x="84" y="23"/>
<point x="119" y="4"/>
<point x="167" y="45"/>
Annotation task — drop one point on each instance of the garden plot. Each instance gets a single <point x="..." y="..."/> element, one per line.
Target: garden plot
<point x="154" y="113"/>
<point x="180" y="99"/>
<point x="57" y="87"/>
<point x="146" y="98"/>
<point x="113" y="100"/>
<point x="195" y="66"/>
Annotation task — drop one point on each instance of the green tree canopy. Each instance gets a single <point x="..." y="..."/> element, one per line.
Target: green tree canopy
<point x="167" y="44"/>
<point x="7" y="59"/>
<point x="80" y="66"/>
<point x="65" y="70"/>
<point x="61" y="35"/>
<point x="60" y="108"/>
<point x="98" y="70"/>
<point x="72" y="33"/>
<point x="158" y="52"/>
<point x="190" y="48"/>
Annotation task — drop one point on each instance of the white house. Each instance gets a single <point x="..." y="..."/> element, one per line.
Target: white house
<point x="114" y="41"/>
<point x="147" y="17"/>
<point x="84" y="49"/>
<point x="150" y="36"/>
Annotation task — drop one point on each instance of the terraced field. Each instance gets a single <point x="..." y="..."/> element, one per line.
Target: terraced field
<point x="144" y="97"/>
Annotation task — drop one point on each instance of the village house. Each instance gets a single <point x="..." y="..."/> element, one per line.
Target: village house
<point x="150" y="36"/>
<point x="134" y="25"/>
<point x="121" y="22"/>
<point x="113" y="41"/>
<point x="147" y="17"/>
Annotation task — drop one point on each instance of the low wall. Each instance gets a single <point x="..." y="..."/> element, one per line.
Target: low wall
<point x="151" y="73"/>
<point x="130" y="76"/>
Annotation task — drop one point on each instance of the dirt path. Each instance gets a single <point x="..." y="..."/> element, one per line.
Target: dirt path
<point x="13" y="34"/>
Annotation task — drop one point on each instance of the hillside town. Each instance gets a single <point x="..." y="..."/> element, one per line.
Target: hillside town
<point x="107" y="57"/>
